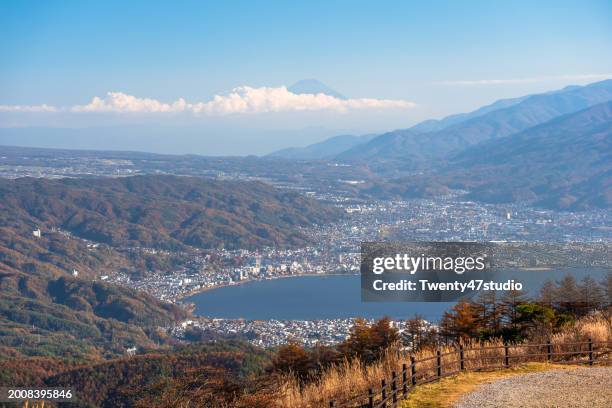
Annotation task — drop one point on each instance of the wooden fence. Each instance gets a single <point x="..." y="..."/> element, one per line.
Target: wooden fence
<point x="416" y="372"/>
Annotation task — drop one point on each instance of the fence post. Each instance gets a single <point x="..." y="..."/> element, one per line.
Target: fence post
<point x="384" y="393"/>
<point x="404" y="378"/>
<point x="549" y="351"/>
<point x="413" y="377"/>
<point x="394" y="387"/>
<point x="506" y="356"/>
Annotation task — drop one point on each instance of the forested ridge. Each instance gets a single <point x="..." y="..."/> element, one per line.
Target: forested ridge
<point x="164" y="211"/>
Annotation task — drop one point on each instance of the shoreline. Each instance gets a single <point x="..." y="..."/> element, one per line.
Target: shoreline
<point x="242" y="282"/>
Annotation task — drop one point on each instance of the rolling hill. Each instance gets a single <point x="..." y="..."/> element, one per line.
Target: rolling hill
<point x="215" y="374"/>
<point x="220" y="370"/>
<point x="46" y="311"/>
<point x="76" y="320"/>
<point x="164" y="211"/>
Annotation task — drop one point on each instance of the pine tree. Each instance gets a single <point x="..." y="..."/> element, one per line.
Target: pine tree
<point x="607" y="288"/>
<point x="489" y="312"/>
<point x="548" y="293"/>
<point x="568" y="294"/>
<point x="591" y="294"/>
<point x="511" y="300"/>
<point x="415" y="331"/>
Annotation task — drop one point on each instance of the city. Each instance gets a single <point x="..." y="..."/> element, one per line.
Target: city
<point x="337" y="251"/>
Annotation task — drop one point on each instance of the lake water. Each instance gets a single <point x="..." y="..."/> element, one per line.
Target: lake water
<point x="305" y="298"/>
<point x="332" y="297"/>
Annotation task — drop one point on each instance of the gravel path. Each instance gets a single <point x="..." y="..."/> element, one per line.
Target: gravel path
<point x="576" y="388"/>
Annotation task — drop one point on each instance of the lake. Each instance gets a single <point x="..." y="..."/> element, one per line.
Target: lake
<point x="335" y="296"/>
<point x="304" y="298"/>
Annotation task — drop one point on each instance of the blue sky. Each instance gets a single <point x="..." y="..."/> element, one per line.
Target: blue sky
<point x="440" y="55"/>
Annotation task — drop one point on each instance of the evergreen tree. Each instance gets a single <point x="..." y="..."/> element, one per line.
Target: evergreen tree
<point x="591" y="294"/>
<point x="511" y="300"/>
<point x="489" y="312"/>
<point x="607" y="289"/>
<point x="568" y="295"/>
<point x="548" y="293"/>
<point x="415" y="331"/>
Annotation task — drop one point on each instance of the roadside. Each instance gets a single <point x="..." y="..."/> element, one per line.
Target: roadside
<point x="577" y="388"/>
<point x="447" y="392"/>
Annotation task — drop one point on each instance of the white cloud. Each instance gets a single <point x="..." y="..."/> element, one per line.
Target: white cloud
<point x="241" y="100"/>
<point x="263" y="100"/>
<point x="123" y="103"/>
<point x="578" y="77"/>
<point x="28" y="108"/>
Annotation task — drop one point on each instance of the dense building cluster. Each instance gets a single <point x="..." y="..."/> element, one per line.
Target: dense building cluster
<point x="271" y="333"/>
<point x="338" y="252"/>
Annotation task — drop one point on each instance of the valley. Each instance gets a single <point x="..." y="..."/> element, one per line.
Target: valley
<point x="104" y="254"/>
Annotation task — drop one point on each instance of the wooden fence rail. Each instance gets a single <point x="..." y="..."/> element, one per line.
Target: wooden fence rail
<point x="399" y="387"/>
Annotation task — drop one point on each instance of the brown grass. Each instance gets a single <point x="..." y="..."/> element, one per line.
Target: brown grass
<point x="352" y="379"/>
<point x="597" y="327"/>
<point x="37" y="404"/>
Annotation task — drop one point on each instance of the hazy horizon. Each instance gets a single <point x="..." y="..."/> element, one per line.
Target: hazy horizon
<point x="215" y="79"/>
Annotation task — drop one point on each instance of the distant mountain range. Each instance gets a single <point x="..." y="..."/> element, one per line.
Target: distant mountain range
<point x="552" y="148"/>
<point x="433" y="125"/>
<point x="564" y="163"/>
<point x="495" y="121"/>
<point x="437" y="138"/>
<point x="327" y="149"/>
<point x="483" y="152"/>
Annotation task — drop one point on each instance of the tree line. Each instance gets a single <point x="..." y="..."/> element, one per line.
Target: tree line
<point x="512" y="316"/>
